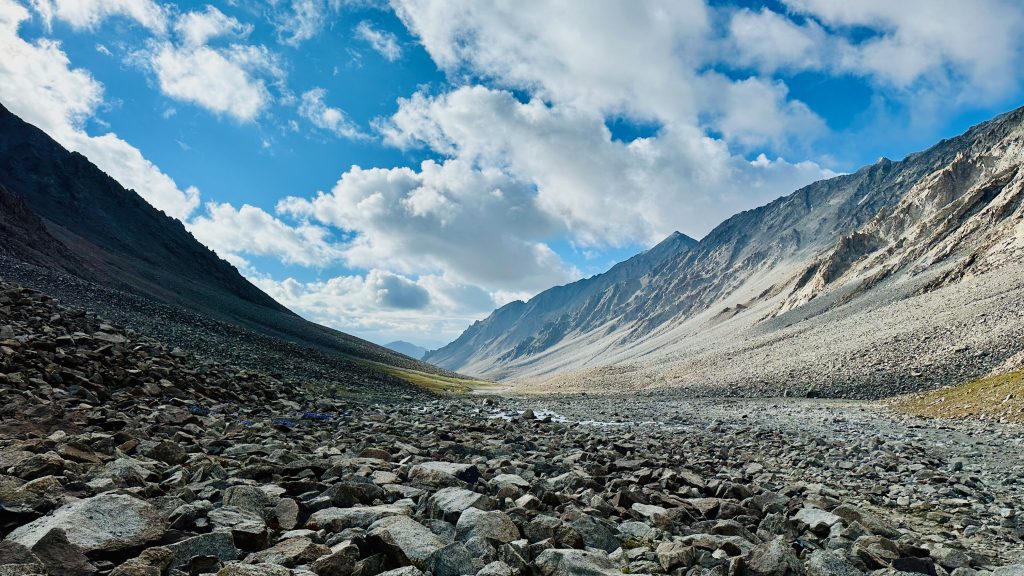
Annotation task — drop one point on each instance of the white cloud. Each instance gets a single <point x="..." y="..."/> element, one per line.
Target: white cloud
<point x="87" y="14"/>
<point x="430" y="310"/>
<point x="384" y="42"/>
<point x="229" y="80"/>
<point x="606" y="56"/>
<point x="234" y="233"/>
<point x="757" y="113"/>
<point x="301" y="21"/>
<point x="216" y="80"/>
<point x="606" y="192"/>
<point x="770" y="41"/>
<point x="583" y="65"/>
<point x="313" y="108"/>
<point x="968" y="52"/>
<point x="38" y="84"/>
<point x="480" y="227"/>
<point x="198" y="28"/>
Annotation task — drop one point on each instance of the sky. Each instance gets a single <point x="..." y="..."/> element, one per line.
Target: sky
<point x="399" y="169"/>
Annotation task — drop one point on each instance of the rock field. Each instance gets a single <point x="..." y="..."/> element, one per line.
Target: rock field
<point x="121" y="456"/>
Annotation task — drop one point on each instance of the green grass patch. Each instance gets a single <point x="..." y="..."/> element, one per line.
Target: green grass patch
<point x="996" y="397"/>
<point x="437" y="382"/>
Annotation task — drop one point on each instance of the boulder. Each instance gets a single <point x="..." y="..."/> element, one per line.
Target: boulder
<point x="219" y="545"/>
<point x="104" y="523"/>
<point x="254" y="570"/>
<point x="560" y="562"/>
<point x="816" y="520"/>
<point x="672" y="555"/>
<point x="441" y="474"/>
<point x="448" y="503"/>
<point x="873" y="522"/>
<point x="406" y="540"/>
<point x="338" y="519"/>
<point x="340" y="562"/>
<point x="773" y="558"/>
<point x="494" y="525"/>
<point x="289" y="553"/>
<point x="452" y="560"/>
<point x="829" y="563"/>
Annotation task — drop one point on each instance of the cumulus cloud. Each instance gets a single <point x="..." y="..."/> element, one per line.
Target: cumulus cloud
<point x="198" y="28"/>
<point x="86" y="14"/>
<point x="222" y="81"/>
<point x="944" y="47"/>
<point x="480" y="226"/>
<point x="603" y="191"/>
<point x="581" y="66"/>
<point x="383" y="42"/>
<point x="38" y="84"/>
<point x="313" y="108"/>
<point x="229" y="80"/>
<point x="235" y="232"/>
<point x="430" y="310"/>
<point x="770" y="41"/>
<point x="606" y="56"/>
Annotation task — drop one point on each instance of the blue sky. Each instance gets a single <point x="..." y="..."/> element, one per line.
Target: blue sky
<point x="397" y="170"/>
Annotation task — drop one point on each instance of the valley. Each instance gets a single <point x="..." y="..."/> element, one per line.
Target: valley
<point x="121" y="455"/>
<point x="830" y="383"/>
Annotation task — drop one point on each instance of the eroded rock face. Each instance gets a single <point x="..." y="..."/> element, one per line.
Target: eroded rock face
<point x="148" y="471"/>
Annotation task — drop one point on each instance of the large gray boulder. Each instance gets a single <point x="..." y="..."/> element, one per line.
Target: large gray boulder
<point x="290" y="553"/>
<point x="571" y="562"/>
<point x="448" y="503"/>
<point x="338" y="519"/>
<point x="219" y="545"/>
<point x="108" y="523"/>
<point x="452" y="560"/>
<point x="495" y="525"/>
<point x="829" y="563"/>
<point x="406" y="540"/>
<point x="443" y="474"/>
<point x="774" y="558"/>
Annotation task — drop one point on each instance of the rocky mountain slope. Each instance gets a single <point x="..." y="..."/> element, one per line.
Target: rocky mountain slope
<point x="520" y="329"/>
<point x="842" y="285"/>
<point x="70" y="229"/>
<point x="121" y="455"/>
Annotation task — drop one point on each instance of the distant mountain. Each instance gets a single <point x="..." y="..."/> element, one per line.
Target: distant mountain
<point x="408" y="348"/>
<point x="521" y="329"/>
<point x="69" y="229"/>
<point x="863" y="284"/>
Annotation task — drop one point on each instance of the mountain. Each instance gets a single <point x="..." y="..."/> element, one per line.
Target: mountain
<point x="69" y="229"/>
<point x="408" y="348"/>
<point x="900" y="276"/>
<point x="521" y="329"/>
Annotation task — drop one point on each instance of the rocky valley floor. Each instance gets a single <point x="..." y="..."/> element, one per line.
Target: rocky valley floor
<point x="121" y="456"/>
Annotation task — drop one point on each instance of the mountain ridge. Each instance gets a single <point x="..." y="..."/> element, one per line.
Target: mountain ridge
<point x="740" y="274"/>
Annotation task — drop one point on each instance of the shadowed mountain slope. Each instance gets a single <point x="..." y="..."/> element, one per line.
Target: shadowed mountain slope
<point x="72" y="230"/>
